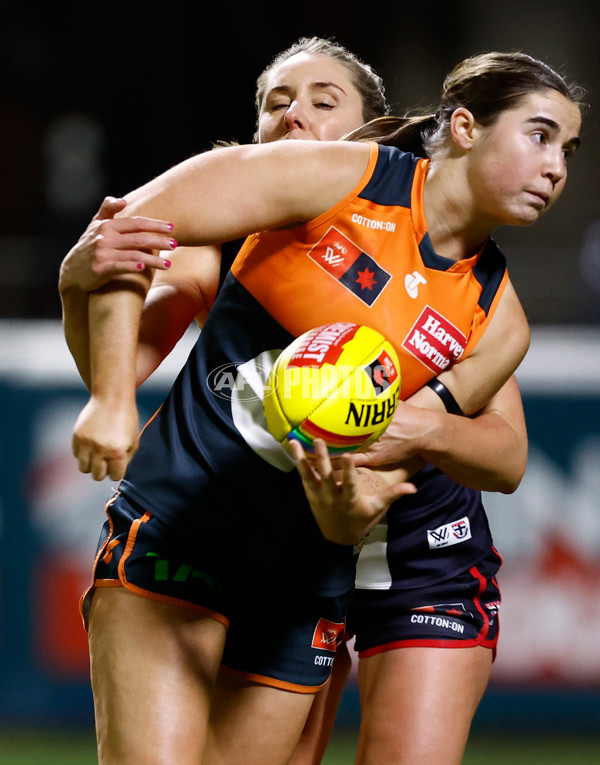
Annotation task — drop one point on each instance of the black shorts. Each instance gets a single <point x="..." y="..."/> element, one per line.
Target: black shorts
<point x="274" y="640"/>
<point x="457" y="613"/>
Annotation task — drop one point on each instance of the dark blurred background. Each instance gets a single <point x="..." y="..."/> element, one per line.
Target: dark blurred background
<point x="97" y="98"/>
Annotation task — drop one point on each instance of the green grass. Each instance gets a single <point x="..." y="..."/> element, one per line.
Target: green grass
<point x="499" y="750"/>
<point x="35" y="748"/>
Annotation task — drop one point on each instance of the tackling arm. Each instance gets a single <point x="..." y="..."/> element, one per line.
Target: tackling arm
<point x="215" y="197"/>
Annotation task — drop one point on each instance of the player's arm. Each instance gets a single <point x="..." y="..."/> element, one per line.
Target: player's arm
<point x="218" y="196"/>
<point x="228" y="193"/>
<point x="177" y="297"/>
<point x="498" y="353"/>
<point x="488" y="451"/>
<point x="105" y="435"/>
<point x="181" y="291"/>
<point x="108" y="248"/>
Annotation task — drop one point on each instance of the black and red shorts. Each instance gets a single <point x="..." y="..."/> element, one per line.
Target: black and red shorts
<point x="456" y="613"/>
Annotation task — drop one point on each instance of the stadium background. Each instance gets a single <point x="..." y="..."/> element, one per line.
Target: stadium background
<point x="93" y="101"/>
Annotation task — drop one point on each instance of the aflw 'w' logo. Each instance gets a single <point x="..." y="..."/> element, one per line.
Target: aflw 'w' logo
<point x="332" y="257"/>
<point x="449" y="534"/>
<point x="327" y="635"/>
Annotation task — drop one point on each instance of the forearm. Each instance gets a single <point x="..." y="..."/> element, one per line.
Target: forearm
<point x="486" y="452"/>
<point x="75" y="326"/>
<point x="114" y="320"/>
<point x="105" y="436"/>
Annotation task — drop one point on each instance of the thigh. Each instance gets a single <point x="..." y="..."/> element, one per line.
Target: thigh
<point x="418" y="703"/>
<point x="153" y="669"/>
<point x="279" y="652"/>
<point x="254" y="724"/>
<point x="317" y="729"/>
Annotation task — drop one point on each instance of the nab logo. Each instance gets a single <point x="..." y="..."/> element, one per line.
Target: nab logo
<point x="412" y="282"/>
<point x="327" y="635"/>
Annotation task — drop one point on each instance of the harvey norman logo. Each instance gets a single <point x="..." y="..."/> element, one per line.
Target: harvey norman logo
<point x="435" y="341"/>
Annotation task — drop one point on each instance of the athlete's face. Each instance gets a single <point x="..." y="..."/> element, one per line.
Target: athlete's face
<point x="309" y="97"/>
<point x="519" y="167"/>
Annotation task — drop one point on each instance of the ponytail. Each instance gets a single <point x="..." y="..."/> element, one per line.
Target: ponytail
<point x="405" y="133"/>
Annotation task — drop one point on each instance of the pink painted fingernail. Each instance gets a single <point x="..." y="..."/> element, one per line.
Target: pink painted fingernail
<point x="173" y="243"/>
<point x="170" y="226"/>
<point x="167" y="263"/>
<point x="139" y="266"/>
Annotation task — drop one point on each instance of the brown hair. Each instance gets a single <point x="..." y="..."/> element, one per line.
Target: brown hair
<point x="487" y="85"/>
<point x="366" y="81"/>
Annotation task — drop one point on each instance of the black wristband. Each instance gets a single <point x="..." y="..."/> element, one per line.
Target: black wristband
<point x="448" y="399"/>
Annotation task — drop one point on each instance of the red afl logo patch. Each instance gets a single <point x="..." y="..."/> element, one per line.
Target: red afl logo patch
<point x="350" y="266"/>
<point x="327" y="635"/>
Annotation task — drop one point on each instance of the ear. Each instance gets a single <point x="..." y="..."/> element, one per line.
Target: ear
<point x="463" y="127"/>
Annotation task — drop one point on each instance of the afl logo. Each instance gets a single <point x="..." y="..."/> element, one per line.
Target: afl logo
<point x="229" y="381"/>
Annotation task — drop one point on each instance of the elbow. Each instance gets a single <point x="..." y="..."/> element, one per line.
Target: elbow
<point x="510" y="481"/>
<point x="507" y="486"/>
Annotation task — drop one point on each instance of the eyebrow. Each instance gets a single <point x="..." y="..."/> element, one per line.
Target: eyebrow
<point x="285" y="89"/>
<point x="575" y="143"/>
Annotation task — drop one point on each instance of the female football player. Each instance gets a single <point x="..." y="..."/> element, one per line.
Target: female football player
<point x="446" y="159"/>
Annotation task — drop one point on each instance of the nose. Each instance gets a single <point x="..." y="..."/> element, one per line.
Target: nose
<point x="556" y="168"/>
<point x="295" y="117"/>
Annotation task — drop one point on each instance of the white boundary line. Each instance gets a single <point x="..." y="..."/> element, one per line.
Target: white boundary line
<point x="561" y="359"/>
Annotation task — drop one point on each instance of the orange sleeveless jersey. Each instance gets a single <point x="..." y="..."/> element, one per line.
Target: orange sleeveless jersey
<point x="370" y="260"/>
